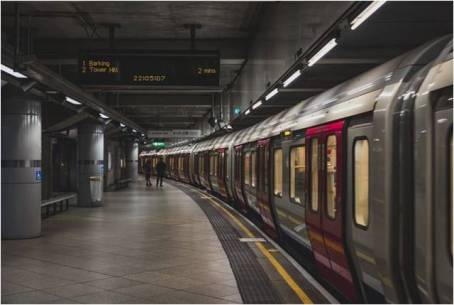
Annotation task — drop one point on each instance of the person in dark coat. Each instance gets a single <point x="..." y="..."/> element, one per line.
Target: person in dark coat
<point x="160" y="171"/>
<point x="147" y="170"/>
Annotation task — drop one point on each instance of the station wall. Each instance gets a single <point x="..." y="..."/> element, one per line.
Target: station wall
<point x="284" y="29"/>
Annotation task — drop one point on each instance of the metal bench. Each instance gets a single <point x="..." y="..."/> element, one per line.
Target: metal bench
<point x="55" y="202"/>
<point x="122" y="183"/>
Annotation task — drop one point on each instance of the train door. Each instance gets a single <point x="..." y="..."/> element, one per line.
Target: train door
<point x="228" y="173"/>
<point x="263" y="182"/>
<point x="195" y="170"/>
<point x="325" y="212"/>
<point x="443" y="202"/>
<point x="360" y="227"/>
<point x="249" y="167"/>
<point x="208" y="169"/>
<point x="238" y="179"/>
<point x="214" y="171"/>
<point x="221" y="172"/>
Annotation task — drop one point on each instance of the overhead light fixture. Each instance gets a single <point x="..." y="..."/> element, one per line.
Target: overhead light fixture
<point x="372" y="8"/>
<point x="134" y="130"/>
<point x="103" y="116"/>
<point x="323" y="51"/>
<point x="10" y="71"/>
<point x="271" y="94"/>
<point x="72" y="101"/>
<point x="122" y="125"/>
<point x="256" y="105"/>
<point x="294" y="76"/>
<point x="247" y="112"/>
<point x="143" y="135"/>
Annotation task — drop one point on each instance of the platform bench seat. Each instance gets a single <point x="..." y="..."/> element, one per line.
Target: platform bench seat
<point x="122" y="183"/>
<point x="61" y="202"/>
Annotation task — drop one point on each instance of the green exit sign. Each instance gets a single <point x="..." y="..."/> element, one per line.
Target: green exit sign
<point x="159" y="144"/>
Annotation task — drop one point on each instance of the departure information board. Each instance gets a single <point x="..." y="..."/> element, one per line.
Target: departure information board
<point x="169" y="68"/>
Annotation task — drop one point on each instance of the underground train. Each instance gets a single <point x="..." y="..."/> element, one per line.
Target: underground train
<point x="358" y="177"/>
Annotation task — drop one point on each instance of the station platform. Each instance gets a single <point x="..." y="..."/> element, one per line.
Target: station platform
<point x="175" y="244"/>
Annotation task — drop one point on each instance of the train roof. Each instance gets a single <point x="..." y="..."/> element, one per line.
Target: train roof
<point x="355" y="96"/>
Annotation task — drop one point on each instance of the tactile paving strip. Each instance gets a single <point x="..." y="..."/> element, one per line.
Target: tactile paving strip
<point x="253" y="283"/>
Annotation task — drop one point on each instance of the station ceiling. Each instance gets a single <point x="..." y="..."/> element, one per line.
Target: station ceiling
<point x="61" y="29"/>
<point x="397" y="27"/>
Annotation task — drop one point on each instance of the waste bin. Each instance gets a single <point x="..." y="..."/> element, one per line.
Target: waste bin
<point x="95" y="189"/>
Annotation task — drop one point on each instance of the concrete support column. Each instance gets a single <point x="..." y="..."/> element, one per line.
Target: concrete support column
<point x="21" y="164"/>
<point x="91" y="159"/>
<point x="132" y="160"/>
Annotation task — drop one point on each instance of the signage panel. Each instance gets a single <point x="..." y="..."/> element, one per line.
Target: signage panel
<point x="175" y="133"/>
<point x="170" y="68"/>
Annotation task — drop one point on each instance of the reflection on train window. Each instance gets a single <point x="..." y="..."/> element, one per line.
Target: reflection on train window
<point x="247" y="168"/>
<point x="278" y="172"/>
<point x="253" y="169"/>
<point x="297" y="174"/>
<point x="331" y="170"/>
<point x="361" y="181"/>
<point x="314" y="174"/>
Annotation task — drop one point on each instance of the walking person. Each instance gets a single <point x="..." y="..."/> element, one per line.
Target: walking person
<point x="160" y="171"/>
<point x="147" y="169"/>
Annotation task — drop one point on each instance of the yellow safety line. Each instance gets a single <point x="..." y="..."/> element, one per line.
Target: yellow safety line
<point x="282" y="272"/>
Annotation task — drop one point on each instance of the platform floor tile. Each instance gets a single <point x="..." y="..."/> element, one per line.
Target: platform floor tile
<point x="144" y="245"/>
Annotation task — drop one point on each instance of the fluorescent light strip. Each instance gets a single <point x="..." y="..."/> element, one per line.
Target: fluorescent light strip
<point x="122" y="125"/>
<point x="72" y="101"/>
<point x="247" y="112"/>
<point x="134" y="130"/>
<point x="372" y="8"/>
<point x="103" y="116"/>
<point x="271" y="94"/>
<point x="256" y="105"/>
<point x="10" y="71"/>
<point x="323" y="51"/>
<point x="294" y="76"/>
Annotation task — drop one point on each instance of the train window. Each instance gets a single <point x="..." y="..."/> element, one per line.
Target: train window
<point x="450" y="169"/>
<point x="278" y="172"/>
<point x="331" y="170"/>
<point x="361" y="181"/>
<point x="247" y="168"/>
<point x="297" y="174"/>
<point x="314" y="174"/>
<point x="253" y="168"/>
<point x="213" y="165"/>
<point x="201" y="167"/>
<point x="226" y="161"/>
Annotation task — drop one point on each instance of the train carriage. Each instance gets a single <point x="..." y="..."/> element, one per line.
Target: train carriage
<point x="333" y="174"/>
